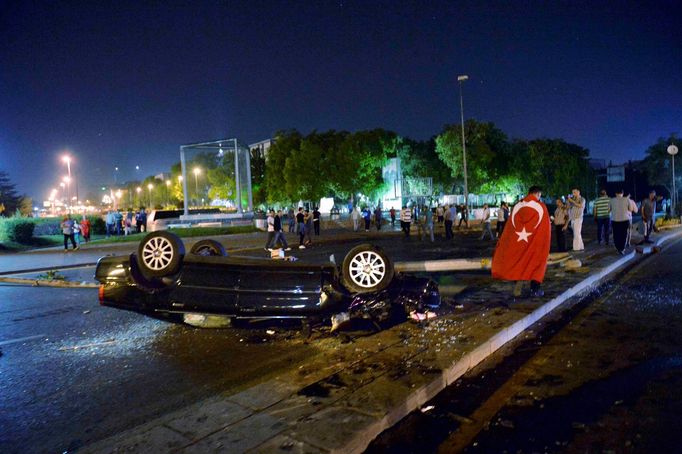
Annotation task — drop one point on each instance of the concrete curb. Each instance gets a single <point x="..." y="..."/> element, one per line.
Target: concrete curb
<point x="349" y="429"/>
<point x="47" y="283"/>
<point x="48" y="268"/>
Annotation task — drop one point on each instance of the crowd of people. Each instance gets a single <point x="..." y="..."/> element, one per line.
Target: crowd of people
<point x="118" y="224"/>
<point x="303" y="222"/>
<point x="75" y="231"/>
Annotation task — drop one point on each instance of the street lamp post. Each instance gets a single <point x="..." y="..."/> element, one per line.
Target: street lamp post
<point x="150" y="187"/>
<point x="196" y="172"/>
<point x="672" y="151"/>
<point x="461" y="79"/>
<point x="67" y="180"/>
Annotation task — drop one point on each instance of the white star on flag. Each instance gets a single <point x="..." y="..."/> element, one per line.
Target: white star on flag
<point x="523" y="235"/>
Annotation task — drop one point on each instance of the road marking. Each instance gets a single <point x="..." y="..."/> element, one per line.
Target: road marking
<point x="21" y="339"/>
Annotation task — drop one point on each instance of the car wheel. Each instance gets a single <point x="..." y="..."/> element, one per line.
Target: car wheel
<point x="366" y="268"/>
<point x="160" y="254"/>
<point x="208" y="248"/>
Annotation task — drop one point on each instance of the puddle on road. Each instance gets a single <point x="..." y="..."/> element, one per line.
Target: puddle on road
<point x="515" y="428"/>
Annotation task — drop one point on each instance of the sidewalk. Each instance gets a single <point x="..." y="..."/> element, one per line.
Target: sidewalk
<point x="339" y="402"/>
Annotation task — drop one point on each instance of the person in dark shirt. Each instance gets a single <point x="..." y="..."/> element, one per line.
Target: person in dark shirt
<point x="316" y="221"/>
<point x="279" y="232"/>
<point x="300" y="222"/>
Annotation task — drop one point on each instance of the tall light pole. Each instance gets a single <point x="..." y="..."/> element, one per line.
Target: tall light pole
<point x="150" y="187"/>
<point x="196" y="172"/>
<point x="461" y="79"/>
<point x="67" y="180"/>
<point x="672" y="151"/>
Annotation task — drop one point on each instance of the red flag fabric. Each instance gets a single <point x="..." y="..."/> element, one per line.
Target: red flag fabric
<point x="521" y="253"/>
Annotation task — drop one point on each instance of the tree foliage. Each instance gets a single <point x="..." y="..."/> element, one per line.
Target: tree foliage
<point x="657" y="163"/>
<point x="10" y="200"/>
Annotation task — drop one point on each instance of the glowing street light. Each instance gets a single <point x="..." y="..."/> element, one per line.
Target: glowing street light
<point x="67" y="159"/>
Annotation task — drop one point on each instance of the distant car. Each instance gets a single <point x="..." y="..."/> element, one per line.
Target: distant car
<point x="161" y="281"/>
<point x="160" y="219"/>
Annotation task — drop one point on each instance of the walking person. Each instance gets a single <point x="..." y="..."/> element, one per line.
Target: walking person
<point x="77" y="233"/>
<point x="576" y="208"/>
<point x="633" y="209"/>
<point x="392" y="214"/>
<point x="270" y="221"/>
<point x="118" y="221"/>
<point x="425" y="223"/>
<point x="406" y="220"/>
<point x="279" y="232"/>
<point x="521" y="254"/>
<point x="378" y="217"/>
<point x="485" y="223"/>
<point x="560" y="225"/>
<point x="355" y="217"/>
<point x="621" y="214"/>
<point x="502" y="216"/>
<point x="300" y="227"/>
<point x="367" y="217"/>
<point x="602" y="211"/>
<point x="85" y="229"/>
<point x="316" y="221"/>
<point x="128" y="223"/>
<point x="439" y="214"/>
<point x="464" y="216"/>
<point x="648" y="216"/>
<point x="67" y="230"/>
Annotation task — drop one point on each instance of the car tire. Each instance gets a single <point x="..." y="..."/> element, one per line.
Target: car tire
<point x="366" y="269"/>
<point x="160" y="254"/>
<point x="208" y="248"/>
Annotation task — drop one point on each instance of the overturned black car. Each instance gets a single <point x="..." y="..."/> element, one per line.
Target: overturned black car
<point x="161" y="281"/>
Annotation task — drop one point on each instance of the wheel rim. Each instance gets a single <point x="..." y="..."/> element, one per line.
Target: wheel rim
<point x="157" y="253"/>
<point x="367" y="269"/>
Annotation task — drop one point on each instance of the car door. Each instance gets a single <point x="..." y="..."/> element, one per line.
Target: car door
<point x="207" y="284"/>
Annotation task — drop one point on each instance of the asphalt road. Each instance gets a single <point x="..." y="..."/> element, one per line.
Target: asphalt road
<point x="604" y="376"/>
<point x="72" y="372"/>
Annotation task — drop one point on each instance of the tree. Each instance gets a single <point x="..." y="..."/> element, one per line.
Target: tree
<point x="658" y="163"/>
<point x="418" y="159"/>
<point x="286" y="143"/>
<point x="555" y="165"/>
<point x="488" y="154"/>
<point x="10" y="201"/>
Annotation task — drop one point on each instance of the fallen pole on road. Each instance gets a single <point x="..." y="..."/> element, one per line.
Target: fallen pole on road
<point x="432" y="266"/>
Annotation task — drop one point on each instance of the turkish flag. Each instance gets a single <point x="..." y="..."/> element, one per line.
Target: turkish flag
<point x="521" y="254"/>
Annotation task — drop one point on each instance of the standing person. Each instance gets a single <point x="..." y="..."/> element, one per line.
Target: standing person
<point x="576" y="208"/>
<point x="378" y="217"/>
<point x="300" y="226"/>
<point x="292" y="220"/>
<point x="406" y="220"/>
<point x="109" y="223"/>
<point x="485" y="223"/>
<point x="129" y="222"/>
<point x="67" y="231"/>
<point x="449" y="219"/>
<point x="601" y="211"/>
<point x="308" y="228"/>
<point x="439" y="214"/>
<point x="118" y="220"/>
<point x="77" y="233"/>
<point x="355" y="217"/>
<point x="279" y="232"/>
<point x="270" y="221"/>
<point x="521" y="254"/>
<point x="502" y="216"/>
<point x="560" y="225"/>
<point x="142" y="221"/>
<point x="425" y="223"/>
<point x="316" y="221"/>
<point x="392" y="213"/>
<point x="367" y="217"/>
<point x="648" y="215"/>
<point x="633" y="209"/>
<point x="620" y="217"/>
<point x="464" y="216"/>
<point x="85" y="228"/>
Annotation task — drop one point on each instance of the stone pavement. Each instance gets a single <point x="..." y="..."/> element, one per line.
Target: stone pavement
<point x="339" y="402"/>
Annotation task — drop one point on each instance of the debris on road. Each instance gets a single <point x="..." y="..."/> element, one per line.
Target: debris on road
<point x="78" y="347"/>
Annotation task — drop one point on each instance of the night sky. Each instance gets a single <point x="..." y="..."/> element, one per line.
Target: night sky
<point x="126" y="83"/>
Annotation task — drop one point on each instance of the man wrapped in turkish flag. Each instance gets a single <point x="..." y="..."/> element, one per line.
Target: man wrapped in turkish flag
<point x="521" y="254"/>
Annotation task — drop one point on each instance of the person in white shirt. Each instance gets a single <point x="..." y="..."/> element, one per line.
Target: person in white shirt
<point x="485" y="223"/>
<point x="576" y="207"/>
<point x="355" y="216"/>
<point x="271" y="229"/>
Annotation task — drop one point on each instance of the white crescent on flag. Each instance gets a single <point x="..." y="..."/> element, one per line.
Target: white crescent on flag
<point x="530" y="204"/>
